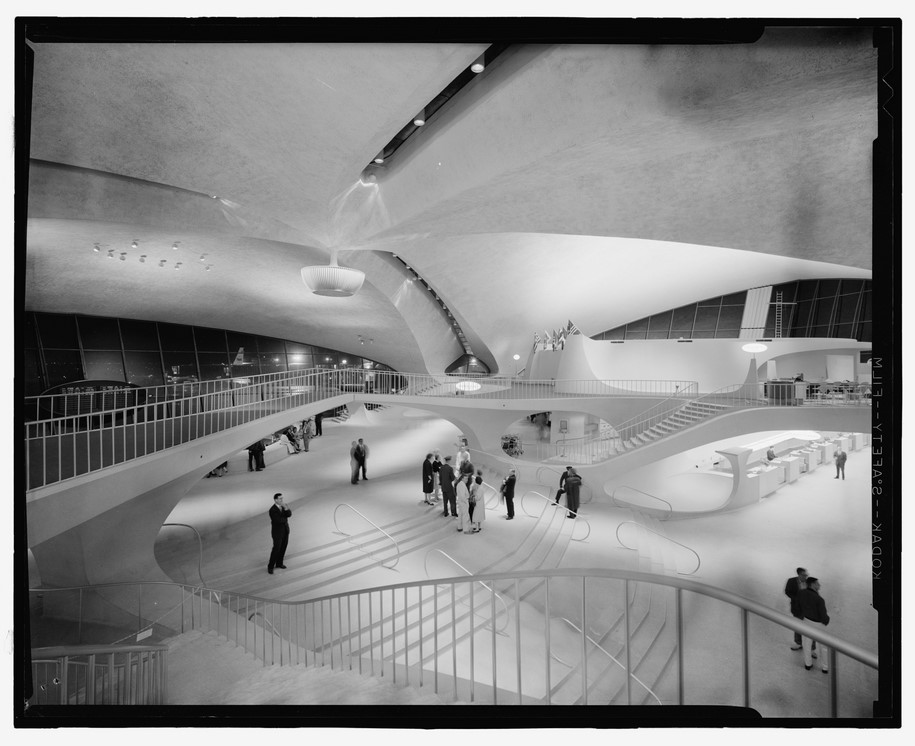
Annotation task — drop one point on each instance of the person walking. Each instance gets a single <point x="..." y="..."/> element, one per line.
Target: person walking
<point x="446" y="477"/>
<point x="840" y="457"/>
<point x="562" y="480"/>
<point x="572" y="486"/>
<point x="463" y="502"/>
<point x="353" y="464"/>
<point x="792" y="586"/>
<point x="256" y="456"/>
<point x="318" y="431"/>
<point x="477" y="503"/>
<point x="279" y="532"/>
<point x="361" y="455"/>
<point x="428" y="481"/>
<point x="437" y="482"/>
<point x="813" y="608"/>
<point x="508" y="493"/>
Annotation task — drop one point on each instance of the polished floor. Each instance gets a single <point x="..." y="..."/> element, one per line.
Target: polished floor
<point x="817" y="521"/>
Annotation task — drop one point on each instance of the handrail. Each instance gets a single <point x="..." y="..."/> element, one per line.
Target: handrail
<point x="199" y="547"/>
<point x="596" y="644"/>
<point x="628" y="504"/>
<point x="556" y="505"/>
<point x="672" y="541"/>
<point x="454" y="561"/>
<point x="336" y="526"/>
<point x="56" y="651"/>
<point x="267" y="623"/>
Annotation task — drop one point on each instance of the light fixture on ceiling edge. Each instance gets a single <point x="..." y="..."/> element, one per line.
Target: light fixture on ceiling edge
<point x="332" y="280"/>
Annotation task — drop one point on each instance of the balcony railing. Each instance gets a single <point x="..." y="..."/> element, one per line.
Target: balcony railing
<point x="377" y="530"/>
<point x="417" y="634"/>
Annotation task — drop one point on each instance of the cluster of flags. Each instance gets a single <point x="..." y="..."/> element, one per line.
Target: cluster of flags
<point x="555" y="340"/>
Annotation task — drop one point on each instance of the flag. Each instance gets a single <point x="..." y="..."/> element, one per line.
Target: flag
<point x="562" y="339"/>
<point x="572" y="329"/>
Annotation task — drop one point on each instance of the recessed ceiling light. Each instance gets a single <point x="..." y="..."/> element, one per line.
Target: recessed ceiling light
<point x="161" y="262"/>
<point x="111" y="253"/>
<point x="175" y="246"/>
<point x="133" y="244"/>
<point x="379" y="159"/>
<point x="95" y="248"/>
<point x="123" y="256"/>
<point x="143" y="259"/>
<point x="477" y="67"/>
<point x="419" y="121"/>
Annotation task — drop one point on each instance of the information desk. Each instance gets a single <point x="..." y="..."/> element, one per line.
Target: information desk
<point x="763" y="480"/>
<point x="809" y="458"/>
<point x="791" y="466"/>
<point x="826" y="450"/>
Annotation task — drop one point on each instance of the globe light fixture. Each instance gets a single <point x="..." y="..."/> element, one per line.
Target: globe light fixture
<point x="468" y="386"/>
<point x="332" y="280"/>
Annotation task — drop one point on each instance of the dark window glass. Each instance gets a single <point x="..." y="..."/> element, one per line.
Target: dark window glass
<point x="63" y="366"/>
<point x="735" y="299"/>
<point x="659" y="323"/>
<point x="798" y="328"/>
<point x="272" y="363"/>
<point x="788" y="291"/>
<point x="618" y="333"/>
<point x="847" y="306"/>
<point x="299" y="361"/>
<point x="710" y="302"/>
<point x="657" y="335"/>
<point x="806" y="289"/>
<point x="823" y="312"/>
<point x="703" y="334"/>
<point x="104" y="365"/>
<point x="214" y="365"/>
<point x="270" y="344"/>
<point x="144" y="368"/>
<point x="180" y="366"/>
<point x="29" y="332"/>
<point x="828" y="288"/>
<point x="637" y="326"/>
<point x="730" y="317"/>
<point x="637" y="334"/>
<point x="139" y="335"/>
<point x="850" y="286"/>
<point x="844" y="331"/>
<point x="210" y="340"/>
<point x="683" y="319"/>
<point x="176" y="337"/>
<point x="706" y="319"/>
<point x="866" y="313"/>
<point x="298" y="347"/>
<point x="325" y="359"/>
<point x="727" y="333"/>
<point x="864" y="332"/>
<point x="237" y="339"/>
<point x="34" y="380"/>
<point x="98" y="333"/>
<point x="818" y="331"/>
<point x="770" y="322"/>
<point x="58" y="331"/>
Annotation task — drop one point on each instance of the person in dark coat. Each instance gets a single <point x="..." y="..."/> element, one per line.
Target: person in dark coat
<point x="572" y="487"/>
<point x="446" y="479"/>
<point x="562" y="480"/>
<point x="256" y="455"/>
<point x="361" y="454"/>
<point x="428" y="481"/>
<point x="318" y="418"/>
<point x="279" y="531"/>
<point x="508" y="492"/>
<point x="813" y="607"/>
<point x="840" y="458"/>
<point x="792" y="586"/>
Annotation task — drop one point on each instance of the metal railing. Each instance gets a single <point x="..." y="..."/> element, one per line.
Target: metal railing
<point x="467" y="572"/>
<point x="100" y="675"/>
<point x="374" y="525"/>
<point x="199" y="548"/>
<point x="666" y="538"/>
<point x="555" y="505"/>
<point x="667" y="510"/>
<point x="412" y="632"/>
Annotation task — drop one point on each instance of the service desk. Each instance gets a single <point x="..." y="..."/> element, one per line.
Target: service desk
<point x="826" y="450"/>
<point x="791" y="465"/>
<point x="764" y="480"/>
<point x="809" y="458"/>
<point x="845" y="443"/>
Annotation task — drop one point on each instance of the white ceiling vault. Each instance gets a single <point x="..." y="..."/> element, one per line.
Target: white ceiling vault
<point x="596" y="183"/>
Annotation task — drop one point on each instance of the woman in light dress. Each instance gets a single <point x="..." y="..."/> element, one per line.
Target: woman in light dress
<point x="478" y="514"/>
<point x="463" y="503"/>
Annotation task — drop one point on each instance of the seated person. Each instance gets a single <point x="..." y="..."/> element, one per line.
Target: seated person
<point x="770" y="454"/>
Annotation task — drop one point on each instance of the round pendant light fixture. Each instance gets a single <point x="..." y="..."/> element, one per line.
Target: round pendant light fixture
<point x="332" y="280"/>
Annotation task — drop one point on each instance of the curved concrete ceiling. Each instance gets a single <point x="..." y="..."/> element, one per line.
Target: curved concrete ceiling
<point x="597" y="183"/>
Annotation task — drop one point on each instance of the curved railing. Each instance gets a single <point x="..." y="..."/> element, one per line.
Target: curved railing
<point x="329" y="624"/>
<point x="199" y="548"/>
<point x="629" y="504"/>
<point x="551" y="503"/>
<point x="672" y="541"/>
<point x="372" y="523"/>
<point x="467" y="572"/>
<point x="597" y="645"/>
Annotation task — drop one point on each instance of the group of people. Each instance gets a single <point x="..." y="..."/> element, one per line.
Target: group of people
<point x="461" y="493"/>
<point x="803" y="592"/>
<point x="295" y="438"/>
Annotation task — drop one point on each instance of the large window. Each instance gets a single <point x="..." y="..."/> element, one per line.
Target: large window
<point x="714" y="317"/>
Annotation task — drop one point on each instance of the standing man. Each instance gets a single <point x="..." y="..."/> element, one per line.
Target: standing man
<point x="436" y="466"/>
<point x="427" y="480"/>
<point x="318" y="417"/>
<point x="573" y="485"/>
<point x="279" y="531"/>
<point x="562" y="480"/>
<point x="792" y="586"/>
<point x="361" y="454"/>
<point x="840" y="458"/>
<point x="446" y="479"/>
<point x="813" y="608"/>
<point x="508" y="492"/>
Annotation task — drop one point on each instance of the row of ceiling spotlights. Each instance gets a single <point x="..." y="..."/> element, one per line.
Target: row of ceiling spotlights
<point x="97" y="249"/>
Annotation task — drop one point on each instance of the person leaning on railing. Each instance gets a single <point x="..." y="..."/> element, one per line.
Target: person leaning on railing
<point x="572" y="487"/>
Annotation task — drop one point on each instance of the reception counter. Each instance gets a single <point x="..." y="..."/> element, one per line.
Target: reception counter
<point x="763" y="480"/>
<point x="790" y="465"/>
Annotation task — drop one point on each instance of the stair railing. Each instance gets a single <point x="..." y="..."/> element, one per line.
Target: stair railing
<point x="467" y="572"/>
<point x="199" y="548"/>
<point x="629" y="504"/>
<point x="672" y="541"/>
<point x="374" y="525"/>
<point x="555" y="505"/>
<point x="597" y="645"/>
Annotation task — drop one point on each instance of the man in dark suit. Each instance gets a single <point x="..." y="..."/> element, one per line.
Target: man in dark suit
<point x="508" y="492"/>
<point x="427" y="480"/>
<point x="794" y="585"/>
<point x="840" y="458"/>
<point x="813" y="607"/>
<point x="279" y="530"/>
<point x="562" y="480"/>
<point x="446" y="479"/>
